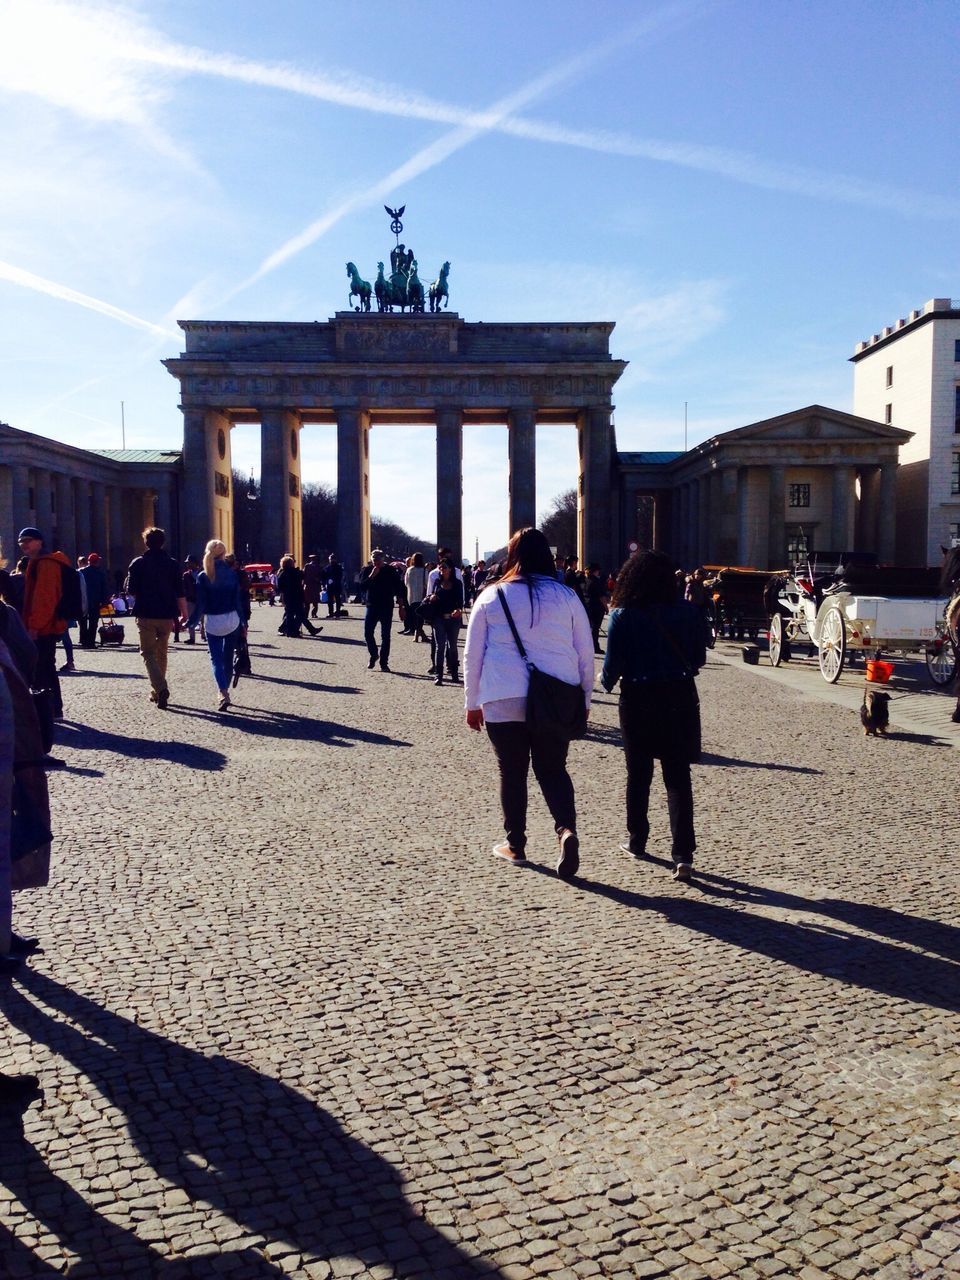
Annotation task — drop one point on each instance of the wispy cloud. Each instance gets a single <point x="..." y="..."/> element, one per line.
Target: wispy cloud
<point x="462" y="135"/>
<point x="90" y="59"/>
<point x="39" y="284"/>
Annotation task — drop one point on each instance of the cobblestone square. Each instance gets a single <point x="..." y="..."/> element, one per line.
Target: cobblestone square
<point x="293" y="1020"/>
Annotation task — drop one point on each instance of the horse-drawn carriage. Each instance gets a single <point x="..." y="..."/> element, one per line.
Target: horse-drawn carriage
<point x="859" y="606"/>
<point x="736" y="601"/>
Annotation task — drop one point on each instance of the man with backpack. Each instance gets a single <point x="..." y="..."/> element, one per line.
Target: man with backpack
<point x="51" y="596"/>
<point x="155" y="582"/>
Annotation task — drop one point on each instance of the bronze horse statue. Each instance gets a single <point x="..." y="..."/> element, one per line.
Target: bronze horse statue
<point x="438" y="290"/>
<point x="358" y="288"/>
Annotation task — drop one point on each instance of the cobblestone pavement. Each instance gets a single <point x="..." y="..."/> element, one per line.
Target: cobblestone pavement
<point x="293" y="1019"/>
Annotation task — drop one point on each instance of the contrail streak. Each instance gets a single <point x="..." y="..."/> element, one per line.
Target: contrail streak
<point x="39" y="284"/>
<point x="436" y="152"/>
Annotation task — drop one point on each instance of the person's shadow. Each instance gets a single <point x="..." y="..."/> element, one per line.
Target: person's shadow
<point x="870" y="963"/>
<point x="258" y="1151"/>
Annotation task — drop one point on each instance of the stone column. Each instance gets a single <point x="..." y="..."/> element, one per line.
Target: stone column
<point x="841" y="535"/>
<point x="280" y="510"/>
<point x="887" y="533"/>
<point x="681" y="536"/>
<point x="727" y="520"/>
<point x="82" y="508"/>
<point x="776" y="519"/>
<point x="704" y="532"/>
<point x="450" y="480"/>
<point x="867" y="537"/>
<point x="98" y="519"/>
<point x="522" y="432"/>
<point x="21" y="510"/>
<point x="66" y="517"/>
<point x="596" y="441"/>
<point x="43" y="500"/>
<point x="164" y="509"/>
<point x="120" y="554"/>
<point x="197" y="513"/>
<point x="353" y="489"/>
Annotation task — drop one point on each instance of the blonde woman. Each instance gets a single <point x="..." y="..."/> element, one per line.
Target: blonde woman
<point x="220" y="599"/>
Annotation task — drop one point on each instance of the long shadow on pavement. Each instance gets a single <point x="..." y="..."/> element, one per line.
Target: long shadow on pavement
<point x="833" y="953"/>
<point x="86" y="738"/>
<point x="305" y="684"/>
<point x="280" y="724"/>
<point x="708" y="757"/>
<point x="259" y="1152"/>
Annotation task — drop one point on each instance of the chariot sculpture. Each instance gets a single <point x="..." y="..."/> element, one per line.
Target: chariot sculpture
<point x="403" y="287"/>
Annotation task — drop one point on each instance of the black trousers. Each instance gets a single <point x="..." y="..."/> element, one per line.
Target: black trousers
<point x="516" y="748"/>
<point x="88" y="629"/>
<point x="675" y="768"/>
<point x="45" y="673"/>
<point x="382" y="614"/>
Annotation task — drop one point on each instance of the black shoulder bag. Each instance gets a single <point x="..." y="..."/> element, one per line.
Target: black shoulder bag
<point x="553" y="706"/>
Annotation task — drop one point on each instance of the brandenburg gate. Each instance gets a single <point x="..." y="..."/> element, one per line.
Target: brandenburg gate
<point x="364" y="368"/>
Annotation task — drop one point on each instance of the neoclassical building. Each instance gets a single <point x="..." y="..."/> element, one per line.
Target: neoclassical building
<point x="815" y="478"/>
<point x="86" y="500"/>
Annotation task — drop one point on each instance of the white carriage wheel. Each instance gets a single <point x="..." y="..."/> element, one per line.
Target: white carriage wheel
<point x="942" y="661"/>
<point x="776" y="640"/>
<point x="832" y="647"/>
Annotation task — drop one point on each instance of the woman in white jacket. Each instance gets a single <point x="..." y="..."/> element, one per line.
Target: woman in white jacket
<point x="553" y="626"/>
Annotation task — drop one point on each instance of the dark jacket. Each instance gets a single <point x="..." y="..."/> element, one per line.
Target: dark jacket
<point x="95" y="582"/>
<point x="448" y="599"/>
<point x="154" y="582"/>
<point x="290" y="585"/>
<point x="223" y="595"/>
<point x="386" y="587"/>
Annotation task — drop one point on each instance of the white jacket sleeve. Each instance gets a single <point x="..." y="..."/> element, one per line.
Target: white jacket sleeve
<point x="583" y="643"/>
<point x="473" y="652"/>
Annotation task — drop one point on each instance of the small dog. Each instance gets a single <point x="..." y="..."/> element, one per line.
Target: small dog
<point x="874" y="714"/>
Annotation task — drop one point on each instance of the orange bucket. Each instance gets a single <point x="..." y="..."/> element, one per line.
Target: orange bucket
<point x="879" y="672"/>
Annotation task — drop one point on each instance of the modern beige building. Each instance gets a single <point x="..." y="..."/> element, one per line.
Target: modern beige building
<point x="908" y="375"/>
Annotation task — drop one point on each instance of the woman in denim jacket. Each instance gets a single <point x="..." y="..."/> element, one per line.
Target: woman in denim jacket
<point x="655" y="647"/>
<point x="220" y="600"/>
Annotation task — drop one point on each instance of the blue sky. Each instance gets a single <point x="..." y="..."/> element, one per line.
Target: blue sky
<point x="746" y="188"/>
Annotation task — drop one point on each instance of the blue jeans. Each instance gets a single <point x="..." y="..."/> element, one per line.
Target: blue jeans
<point x="222" y="649"/>
<point x="445" y="633"/>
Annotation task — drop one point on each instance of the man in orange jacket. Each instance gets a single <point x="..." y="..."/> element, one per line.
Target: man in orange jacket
<point x="41" y="600"/>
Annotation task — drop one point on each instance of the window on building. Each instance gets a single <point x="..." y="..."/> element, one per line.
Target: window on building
<point x="956" y="409"/>
<point x="221" y="484"/>
<point x="955" y="533"/>
<point x="889" y="375"/>
<point x="955" y="473"/>
<point x="799" y="495"/>
<point x="799" y="544"/>
<point x="956" y="348"/>
<point x="888" y="414"/>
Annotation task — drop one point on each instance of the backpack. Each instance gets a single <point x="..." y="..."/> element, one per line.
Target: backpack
<point x="70" y="604"/>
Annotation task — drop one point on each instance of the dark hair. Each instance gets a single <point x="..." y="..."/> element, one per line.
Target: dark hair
<point x="154" y="538"/>
<point x="447" y="563"/>
<point x="528" y="552"/>
<point x="648" y="577"/>
<point x="417" y="560"/>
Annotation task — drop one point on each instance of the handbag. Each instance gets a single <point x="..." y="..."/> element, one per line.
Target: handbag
<point x="554" y="706"/>
<point x="427" y="610"/>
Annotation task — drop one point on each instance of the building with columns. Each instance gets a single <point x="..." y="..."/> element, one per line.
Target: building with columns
<point x="909" y="375"/>
<point x="84" y="500"/>
<point x="762" y="494"/>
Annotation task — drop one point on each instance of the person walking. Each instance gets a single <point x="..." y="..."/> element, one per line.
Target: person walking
<point x="42" y="593"/>
<point x="290" y="586"/>
<point x="655" y="648"/>
<point x="97" y="595"/>
<point x="312" y="584"/>
<point x="555" y="633"/>
<point x="415" y="582"/>
<point x="447" y="601"/>
<point x="220" y="601"/>
<point x="596" y="603"/>
<point x="382" y="585"/>
<point x="333" y="585"/>
<point x="188" y="576"/>
<point x="153" y="580"/>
